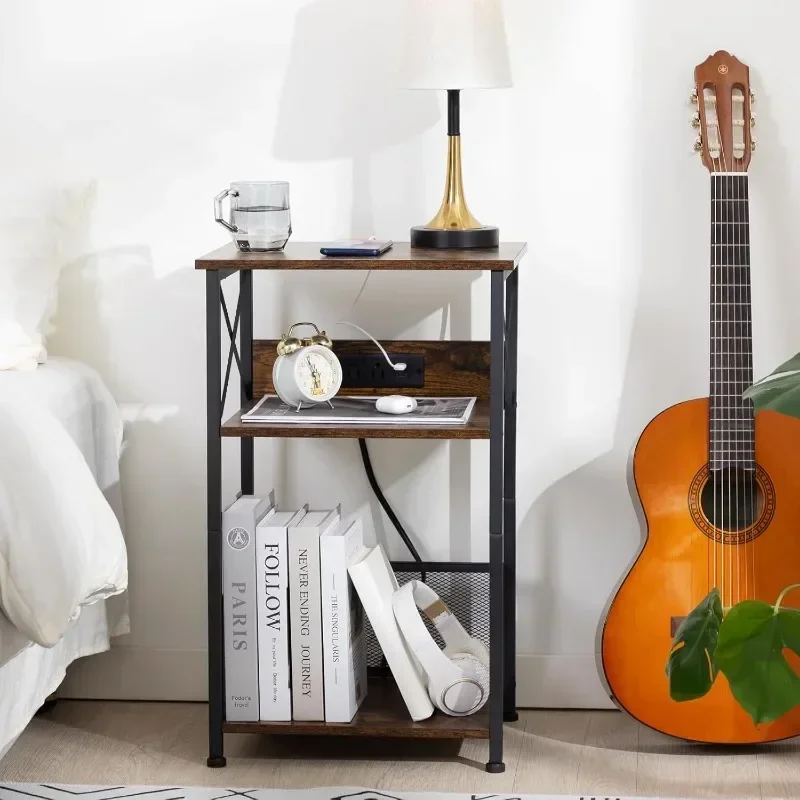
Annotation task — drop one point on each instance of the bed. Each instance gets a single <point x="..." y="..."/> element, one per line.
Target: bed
<point x="74" y="397"/>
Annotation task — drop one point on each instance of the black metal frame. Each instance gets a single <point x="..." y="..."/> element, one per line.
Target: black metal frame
<point x="502" y="491"/>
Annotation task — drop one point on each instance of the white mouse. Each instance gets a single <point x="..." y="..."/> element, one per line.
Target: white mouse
<point x="395" y="404"/>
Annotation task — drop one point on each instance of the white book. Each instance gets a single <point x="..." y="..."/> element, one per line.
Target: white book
<point x="344" y="644"/>
<point x="272" y="595"/>
<point x="305" y="609"/>
<point x="375" y="583"/>
<point x="239" y="523"/>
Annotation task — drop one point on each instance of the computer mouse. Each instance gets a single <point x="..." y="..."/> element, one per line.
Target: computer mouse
<point x="395" y="404"/>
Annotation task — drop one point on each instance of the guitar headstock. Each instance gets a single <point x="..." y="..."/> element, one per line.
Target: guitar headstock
<point x="723" y="97"/>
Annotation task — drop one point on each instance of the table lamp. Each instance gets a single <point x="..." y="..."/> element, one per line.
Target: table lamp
<point x="455" y="45"/>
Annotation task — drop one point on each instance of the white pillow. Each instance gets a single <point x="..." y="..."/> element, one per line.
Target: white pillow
<point x="40" y="231"/>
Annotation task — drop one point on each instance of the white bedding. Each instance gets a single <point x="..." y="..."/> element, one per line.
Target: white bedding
<point x="34" y="673"/>
<point x="77" y="397"/>
<point x="61" y="545"/>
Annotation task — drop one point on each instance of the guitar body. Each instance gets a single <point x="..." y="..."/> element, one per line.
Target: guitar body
<point x="682" y="560"/>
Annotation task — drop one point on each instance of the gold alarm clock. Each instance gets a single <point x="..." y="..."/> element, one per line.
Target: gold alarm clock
<point x="307" y="371"/>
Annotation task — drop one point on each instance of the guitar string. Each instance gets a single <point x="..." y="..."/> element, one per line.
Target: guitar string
<point x="747" y="327"/>
<point x="716" y="315"/>
<point x="743" y="433"/>
<point x="723" y="399"/>
<point x="713" y="399"/>
<point x="715" y="371"/>
<point x="730" y="292"/>
<point x="728" y="394"/>
<point x="738" y="348"/>
<point x="747" y="339"/>
<point x="745" y="436"/>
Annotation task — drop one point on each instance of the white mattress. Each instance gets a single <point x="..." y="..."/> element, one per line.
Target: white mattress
<point x="77" y="396"/>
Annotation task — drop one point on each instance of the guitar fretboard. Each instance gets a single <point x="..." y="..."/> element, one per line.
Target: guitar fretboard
<point x="731" y="423"/>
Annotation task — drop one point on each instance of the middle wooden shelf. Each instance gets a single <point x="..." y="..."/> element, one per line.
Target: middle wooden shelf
<point x="476" y="428"/>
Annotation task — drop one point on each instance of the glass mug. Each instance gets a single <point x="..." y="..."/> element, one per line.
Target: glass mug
<point x="260" y="216"/>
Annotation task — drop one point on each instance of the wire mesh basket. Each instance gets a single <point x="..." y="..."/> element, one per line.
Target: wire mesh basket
<point x="463" y="587"/>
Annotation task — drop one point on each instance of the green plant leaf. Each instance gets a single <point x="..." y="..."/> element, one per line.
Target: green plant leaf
<point x="752" y="639"/>
<point x="780" y="390"/>
<point x="692" y="668"/>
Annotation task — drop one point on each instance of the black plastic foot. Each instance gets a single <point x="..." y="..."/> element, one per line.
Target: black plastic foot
<point x="495" y="767"/>
<point x="510" y="716"/>
<point x="215" y="762"/>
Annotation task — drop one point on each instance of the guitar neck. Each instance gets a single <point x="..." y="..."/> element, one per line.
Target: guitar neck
<point x="731" y="422"/>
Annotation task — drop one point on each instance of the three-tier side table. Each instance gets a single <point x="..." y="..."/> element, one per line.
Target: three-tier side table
<point x="487" y="370"/>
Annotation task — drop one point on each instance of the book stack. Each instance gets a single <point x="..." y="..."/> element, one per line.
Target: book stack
<point x="295" y="644"/>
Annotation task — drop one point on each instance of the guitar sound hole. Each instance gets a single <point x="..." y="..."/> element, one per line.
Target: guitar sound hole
<point x="732" y="499"/>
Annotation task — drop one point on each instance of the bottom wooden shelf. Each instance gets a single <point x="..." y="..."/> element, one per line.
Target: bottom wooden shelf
<point x="382" y="714"/>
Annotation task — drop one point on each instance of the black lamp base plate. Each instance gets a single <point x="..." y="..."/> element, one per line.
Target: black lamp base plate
<point x="473" y="239"/>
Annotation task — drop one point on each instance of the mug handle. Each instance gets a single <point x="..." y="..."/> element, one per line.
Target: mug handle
<point x="218" y="209"/>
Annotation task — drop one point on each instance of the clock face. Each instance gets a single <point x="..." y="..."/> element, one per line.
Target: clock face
<point x="318" y="373"/>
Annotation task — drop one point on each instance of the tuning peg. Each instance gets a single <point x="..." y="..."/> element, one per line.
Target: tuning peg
<point x="753" y="120"/>
<point x="753" y="142"/>
<point x="693" y="96"/>
<point x="696" y="120"/>
<point x="752" y="96"/>
<point x="698" y="144"/>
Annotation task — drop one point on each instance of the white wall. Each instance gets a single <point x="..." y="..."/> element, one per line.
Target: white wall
<point x="588" y="158"/>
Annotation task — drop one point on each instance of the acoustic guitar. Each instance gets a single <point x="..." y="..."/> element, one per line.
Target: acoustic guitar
<point x="719" y="488"/>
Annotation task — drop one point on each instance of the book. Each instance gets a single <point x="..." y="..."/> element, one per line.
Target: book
<point x="433" y="411"/>
<point x="375" y="583"/>
<point x="239" y="522"/>
<point x="344" y="645"/>
<point x="272" y="595"/>
<point x="305" y="610"/>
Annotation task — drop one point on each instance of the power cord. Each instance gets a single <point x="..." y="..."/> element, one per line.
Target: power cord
<point x="373" y="482"/>
<point x="362" y="444"/>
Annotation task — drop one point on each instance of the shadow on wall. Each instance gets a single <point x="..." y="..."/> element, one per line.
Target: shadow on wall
<point x="121" y="281"/>
<point x="776" y="280"/>
<point x="668" y="346"/>
<point x="343" y="96"/>
<point x="343" y="100"/>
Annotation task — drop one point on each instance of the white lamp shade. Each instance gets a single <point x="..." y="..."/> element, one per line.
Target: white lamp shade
<point x="456" y="44"/>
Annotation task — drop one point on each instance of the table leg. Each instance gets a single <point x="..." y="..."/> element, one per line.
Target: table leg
<point x="496" y="552"/>
<point x="246" y="374"/>
<point x="216" y="666"/>
<point x="510" y="500"/>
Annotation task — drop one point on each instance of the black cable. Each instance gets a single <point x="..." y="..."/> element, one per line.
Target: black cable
<point x="373" y="482"/>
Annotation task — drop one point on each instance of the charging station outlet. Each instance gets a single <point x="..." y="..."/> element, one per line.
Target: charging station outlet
<point x="373" y="372"/>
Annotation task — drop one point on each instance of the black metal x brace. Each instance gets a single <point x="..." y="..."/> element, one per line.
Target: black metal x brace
<point x="233" y="351"/>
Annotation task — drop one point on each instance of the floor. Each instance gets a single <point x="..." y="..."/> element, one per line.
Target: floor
<point x="563" y="752"/>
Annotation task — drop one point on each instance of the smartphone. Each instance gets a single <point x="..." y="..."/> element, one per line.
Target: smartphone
<point x="356" y="247"/>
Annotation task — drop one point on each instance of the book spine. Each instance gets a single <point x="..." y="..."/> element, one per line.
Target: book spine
<point x="239" y="603"/>
<point x="336" y="627"/>
<point x="306" y="625"/>
<point x="272" y="594"/>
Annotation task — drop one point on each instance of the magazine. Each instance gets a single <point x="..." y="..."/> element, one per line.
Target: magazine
<point x="362" y="411"/>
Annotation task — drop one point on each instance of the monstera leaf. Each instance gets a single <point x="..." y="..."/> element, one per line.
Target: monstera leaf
<point x="779" y="391"/>
<point x="692" y="667"/>
<point x="752" y="639"/>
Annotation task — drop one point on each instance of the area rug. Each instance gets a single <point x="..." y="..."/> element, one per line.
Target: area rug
<point x="44" y="791"/>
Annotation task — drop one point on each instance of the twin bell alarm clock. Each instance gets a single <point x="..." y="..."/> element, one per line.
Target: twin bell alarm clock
<point x="307" y="371"/>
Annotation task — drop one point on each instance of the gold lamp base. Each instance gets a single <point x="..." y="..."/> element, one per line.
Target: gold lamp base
<point x="454" y="226"/>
